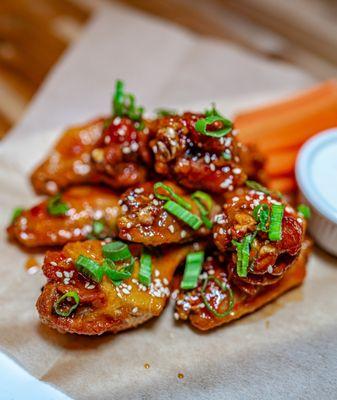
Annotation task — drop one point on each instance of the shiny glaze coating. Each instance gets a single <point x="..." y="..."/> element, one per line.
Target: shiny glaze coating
<point x="268" y="259"/>
<point x="36" y="227"/>
<point x="190" y="305"/>
<point x="145" y="221"/>
<point x="194" y="160"/>
<point x="103" y="306"/>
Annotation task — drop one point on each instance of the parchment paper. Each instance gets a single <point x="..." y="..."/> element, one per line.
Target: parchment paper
<point x="286" y="350"/>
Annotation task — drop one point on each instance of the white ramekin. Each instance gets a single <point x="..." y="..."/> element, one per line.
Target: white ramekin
<point x="316" y="174"/>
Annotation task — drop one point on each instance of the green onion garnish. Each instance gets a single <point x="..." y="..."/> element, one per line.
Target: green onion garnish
<point x="16" y="213"/>
<point x="89" y="268"/>
<point x="59" y="305"/>
<point x="116" y="251"/>
<point x="261" y="214"/>
<point x="145" y="268"/>
<point x="192" y="270"/>
<point x="56" y="207"/>
<point x="213" y="111"/>
<point x="165" y="112"/>
<point x="304" y="210"/>
<point x="204" y="202"/>
<point x="117" y="275"/>
<point x="225" y="288"/>
<point x="124" y="104"/>
<point x="275" y="226"/>
<point x="181" y="213"/>
<point x="201" y="126"/>
<point x="257" y="186"/>
<point x="243" y="254"/>
<point x="226" y="156"/>
<point x="97" y="227"/>
<point x="171" y="195"/>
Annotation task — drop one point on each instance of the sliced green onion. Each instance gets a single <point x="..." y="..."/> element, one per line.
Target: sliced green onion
<point x="304" y="210"/>
<point x="204" y="198"/>
<point x="124" y="104"/>
<point x="116" y="251"/>
<point x="181" y="213"/>
<point x="172" y="195"/>
<point x="226" y="156"/>
<point x="204" y="203"/>
<point x="213" y="111"/>
<point x="275" y="226"/>
<point x="261" y="214"/>
<point x="243" y="254"/>
<point x="117" y="275"/>
<point x="192" y="270"/>
<point x="89" y="268"/>
<point x="202" y="124"/>
<point x="165" y="112"/>
<point x="16" y="213"/>
<point x="257" y="186"/>
<point x="145" y="268"/>
<point x="59" y="307"/>
<point x="97" y="227"/>
<point x="56" y="207"/>
<point x="225" y="288"/>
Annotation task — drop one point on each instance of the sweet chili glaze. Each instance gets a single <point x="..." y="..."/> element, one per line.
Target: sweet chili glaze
<point x="36" y="227"/>
<point x="190" y="304"/>
<point x="69" y="163"/>
<point x="269" y="260"/>
<point x="192" y="159"/>
<point x="144" y="219"/>
<point x="103" y="306"/>
<point x="122" y="153"/>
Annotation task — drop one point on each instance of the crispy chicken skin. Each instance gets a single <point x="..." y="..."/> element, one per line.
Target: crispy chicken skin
<point x="190" y="304"/>
<point x="36" y="227"/>
<point x="122" y="153"/>
<point x="269" y="260"/>
<point x="194" y="160"/>
<point x="69" y="163"/>
<point x="145" y="221"/>
<point x="104" y="307"/>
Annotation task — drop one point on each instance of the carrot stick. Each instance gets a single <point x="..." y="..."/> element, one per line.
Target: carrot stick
<point x="285" y="184"/>
<point x="281" y="162"/>
<point x="290" y="123"/>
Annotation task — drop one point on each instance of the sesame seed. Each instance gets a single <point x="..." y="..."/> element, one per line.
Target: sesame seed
<point x="53" y="263"/>
<point x="183" y="234"/>
<point x="171" y="228"/>
<point x="59" y="274"/>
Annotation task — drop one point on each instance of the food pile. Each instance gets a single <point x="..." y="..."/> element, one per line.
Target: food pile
<point x="135" y="202"/>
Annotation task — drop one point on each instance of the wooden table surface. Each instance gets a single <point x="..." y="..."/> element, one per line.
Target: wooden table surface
<point x="34" y="33"/>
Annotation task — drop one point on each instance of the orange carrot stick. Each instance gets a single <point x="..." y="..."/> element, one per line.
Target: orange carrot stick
<point x="291" y="122"/>
<point x="281" y="162"/>
<point x="285" y="184"/>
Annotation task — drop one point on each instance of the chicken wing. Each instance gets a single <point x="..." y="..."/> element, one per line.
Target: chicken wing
<point x="104" y="307"/>
<point x="90" y="211"/>
<point x="232" y="303"/>
<point x="268" y="260"/>
<point x="69" y="163"/>
<point x="144" y="220"/>
<point x="192" y="159"/>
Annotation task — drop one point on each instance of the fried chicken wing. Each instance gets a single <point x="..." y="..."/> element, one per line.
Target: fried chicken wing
<point x="192" y="159"/>
<point x="104" y="307"/>
<point x="69" y="163"/>
<point x="232" y="303"/>
<point x="85" y="205"/>
<point x="144" y="220"/>
<point x="269" y="260"/>
<point x="122" y="154"/>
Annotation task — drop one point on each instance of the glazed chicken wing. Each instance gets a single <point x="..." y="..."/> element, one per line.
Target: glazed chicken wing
<point x="103" y="307"/>
<point x="192" y="159"/>
<point x="87" y="211"/>
<point x="221" y="301"/>
<point x="69" y="163"/>
<point x="268" y="259"/>
<point x="144" y="219"/>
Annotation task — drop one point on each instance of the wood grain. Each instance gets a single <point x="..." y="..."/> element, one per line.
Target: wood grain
<point x="34" y="33"/>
